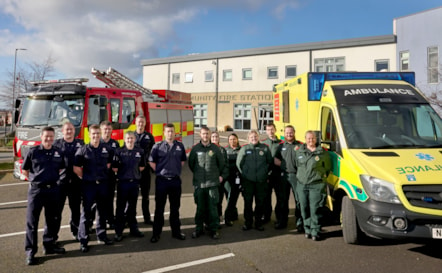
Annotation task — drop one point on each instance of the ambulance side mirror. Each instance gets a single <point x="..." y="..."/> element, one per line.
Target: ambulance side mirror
<point x="335" y="146"/>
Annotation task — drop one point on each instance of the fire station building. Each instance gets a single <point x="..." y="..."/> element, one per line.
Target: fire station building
<point x="234" y="88"/>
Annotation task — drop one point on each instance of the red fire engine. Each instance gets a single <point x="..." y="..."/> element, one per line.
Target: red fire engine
<point x="51" y="103"/>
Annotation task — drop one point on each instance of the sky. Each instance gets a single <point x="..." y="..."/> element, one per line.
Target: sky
<point x="82" y="34"/>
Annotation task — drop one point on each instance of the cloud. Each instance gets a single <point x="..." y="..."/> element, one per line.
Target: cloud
<point x="100" y="33"/>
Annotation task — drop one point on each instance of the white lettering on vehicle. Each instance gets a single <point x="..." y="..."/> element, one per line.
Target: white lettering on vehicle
<point x="366" y="91"/>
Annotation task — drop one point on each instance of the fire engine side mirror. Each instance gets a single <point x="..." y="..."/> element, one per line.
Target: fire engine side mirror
<point x="17" y="103"/>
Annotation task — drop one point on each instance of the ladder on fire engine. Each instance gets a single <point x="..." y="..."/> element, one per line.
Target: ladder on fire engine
<point x="113" y="78"/>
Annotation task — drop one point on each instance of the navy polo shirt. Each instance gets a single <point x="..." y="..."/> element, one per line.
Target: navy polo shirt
<point x="69" y="149"/>
<point x="94" y="161"/>
<point x="145" y="141"/>
<point x="128" y="163"/>
<point x="111" y="144"/>
<point x="44" y="165"/>
<point x="168" y="158"/>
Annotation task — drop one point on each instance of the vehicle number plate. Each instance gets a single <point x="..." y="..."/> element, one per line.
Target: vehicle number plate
<point x="437" y="233"/>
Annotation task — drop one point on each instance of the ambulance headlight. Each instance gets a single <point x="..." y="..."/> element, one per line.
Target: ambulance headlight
<point x="379" y="190"/>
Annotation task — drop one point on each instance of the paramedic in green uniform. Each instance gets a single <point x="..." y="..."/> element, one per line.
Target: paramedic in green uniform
<point x="275" y="177"/>
<point x="313" y="164"/>
<point x="285" y="158"/>
<point x="206" y="163"/>
<point x="254" y="161"/>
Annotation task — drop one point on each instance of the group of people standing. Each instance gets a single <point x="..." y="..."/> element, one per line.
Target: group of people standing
<point x="88" y="174"/>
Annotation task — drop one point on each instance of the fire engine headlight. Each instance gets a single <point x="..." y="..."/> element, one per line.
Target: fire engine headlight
<point x="379" y="190"/>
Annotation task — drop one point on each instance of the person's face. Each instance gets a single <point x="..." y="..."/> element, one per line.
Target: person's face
<point x="253" y="138"/>
<point x="68" y="131"/>
<point x="233" y="141"/>
<point x="270" y="131"/>
<point x="106" y="131"/>
<point x="141" y="124"/>
<point x="310" y="140"/>
<point x="47" y="138"/>
<point x="289" y="134"/>
<point x="129" y="141"/>
<point x="94" y="135"/>
<point x="169" y="133"/>
<point x="204" y="134"/>
<point x="214" y="138"/>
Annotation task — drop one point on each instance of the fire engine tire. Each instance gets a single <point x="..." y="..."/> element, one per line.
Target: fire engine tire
<point x="350" y="228"/>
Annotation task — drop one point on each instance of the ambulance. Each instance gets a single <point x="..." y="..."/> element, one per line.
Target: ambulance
<point x="385" y="141"/>
<point x="51" y="103"/>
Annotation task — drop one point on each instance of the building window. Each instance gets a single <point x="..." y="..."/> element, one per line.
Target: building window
<point x="242" y="116"/>
<point x="208" y="76"/>
<point x="200" y="115"/>
<point x="227" y="75"/>
<point x="330" y="64"/>
<point x="188" y="77"/>
<point x="272" y="72"/>
<point x="176" y="78"/>
<point x="247" y="74"/>
<point x="433" y="65"/>
<point x="265" y="112"/>
<point x="381" y="65"/>
<point x="290" y="71"/>
<point x="404" y="58"/>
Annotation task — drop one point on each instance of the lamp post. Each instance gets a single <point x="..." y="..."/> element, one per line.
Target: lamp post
<point x="13" y="87"/>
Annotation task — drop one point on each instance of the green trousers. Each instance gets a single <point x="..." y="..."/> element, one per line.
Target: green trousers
<point x="206" y="200"/>
<point x="311" y="199"/>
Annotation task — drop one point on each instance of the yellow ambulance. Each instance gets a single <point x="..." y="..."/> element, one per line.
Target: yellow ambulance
<point x="385" y="141"/>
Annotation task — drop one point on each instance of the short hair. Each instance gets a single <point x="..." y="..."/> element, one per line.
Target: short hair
<point x="94" y="127"/>
<point x="47" y="129"/>
<point x="204" y="127"/>
<point x="252" y="132"/>
<point x="105" y="123"/>
<point x="311" y="132"/>
<point x="215" y="132"/>
<point x="169" y="125"/>
<point x="140" y="117"/>
<point x="129" y="133"/>
<point x="271" y="124"/>
<point x="290" y="126"/>
<point x="67" y="123"/>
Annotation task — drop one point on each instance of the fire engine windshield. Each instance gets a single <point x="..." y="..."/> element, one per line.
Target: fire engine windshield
<point x="391" y="125"/>
<point x="52" y="110"/>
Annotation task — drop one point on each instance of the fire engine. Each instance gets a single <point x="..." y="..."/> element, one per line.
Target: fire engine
<point x="53" y="102"/>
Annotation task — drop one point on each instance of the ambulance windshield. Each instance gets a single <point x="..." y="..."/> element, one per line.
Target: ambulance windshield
<point x="52" y="110"/>
<point x="387" y="125"/>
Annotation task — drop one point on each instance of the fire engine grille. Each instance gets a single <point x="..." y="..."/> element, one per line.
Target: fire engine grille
<point x="25" y="150"/>
<point x="424" y="196"/>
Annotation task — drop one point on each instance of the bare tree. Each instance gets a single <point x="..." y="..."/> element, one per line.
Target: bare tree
<point x="31" y="72"/>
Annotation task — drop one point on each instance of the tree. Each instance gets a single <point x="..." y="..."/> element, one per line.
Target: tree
<point x="31" y="72"/>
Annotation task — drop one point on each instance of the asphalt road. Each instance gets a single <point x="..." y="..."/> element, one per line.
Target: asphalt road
<point x="236" y="251"/>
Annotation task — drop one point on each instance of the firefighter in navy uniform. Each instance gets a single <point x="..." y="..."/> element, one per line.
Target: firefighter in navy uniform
<point x="128" y="163"/>
<point x="166" y="159"/>
<point x="145" y="141"/>
<point x="71" y="187"/>
<point x="42" y="166"/>
<point x="253" y="161"/>
<point x="91" y="164"/>
<point x="106" y="133"/>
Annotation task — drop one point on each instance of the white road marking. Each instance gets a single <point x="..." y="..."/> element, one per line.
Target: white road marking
<point x="189" y="264"/>
<point x="11" y="203"/>
<point x="15" y="184"/>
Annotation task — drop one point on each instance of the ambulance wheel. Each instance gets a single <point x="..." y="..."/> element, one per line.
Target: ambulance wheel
<point x="350" y="227"/>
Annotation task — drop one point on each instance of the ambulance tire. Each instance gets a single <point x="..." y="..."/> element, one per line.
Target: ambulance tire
<point x="350" y="228"/>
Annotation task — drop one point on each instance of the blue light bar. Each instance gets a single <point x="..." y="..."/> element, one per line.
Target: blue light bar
<point x="316" y="80"/>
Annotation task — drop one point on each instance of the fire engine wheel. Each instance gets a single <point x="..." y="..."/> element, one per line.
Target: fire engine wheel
<point x="350" y="227"/>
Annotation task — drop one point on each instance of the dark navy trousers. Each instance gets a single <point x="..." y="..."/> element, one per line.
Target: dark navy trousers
<point x="93" y="193"/>
<point x="39" y="198"/>
<point x="165" y="187"/>
<point x="127" y="197"/>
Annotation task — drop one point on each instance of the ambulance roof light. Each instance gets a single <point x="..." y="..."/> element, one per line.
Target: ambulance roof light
<point x="316" y="80"/>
